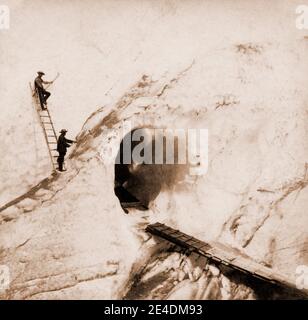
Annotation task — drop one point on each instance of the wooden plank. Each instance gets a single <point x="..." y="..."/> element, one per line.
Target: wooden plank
<point x="222" y="254"/>
<point x="184" y="237"/>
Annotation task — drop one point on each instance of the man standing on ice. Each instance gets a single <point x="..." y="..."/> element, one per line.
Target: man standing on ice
<point x="39" y="88"/>
<point x="62" y="146"/>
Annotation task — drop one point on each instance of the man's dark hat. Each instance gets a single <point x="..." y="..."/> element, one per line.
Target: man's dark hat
<point x="41" y="72"/>
<point x="63" y="131"/>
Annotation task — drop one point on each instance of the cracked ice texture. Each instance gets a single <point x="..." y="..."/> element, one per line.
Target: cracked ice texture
<point x="236" y="69"/>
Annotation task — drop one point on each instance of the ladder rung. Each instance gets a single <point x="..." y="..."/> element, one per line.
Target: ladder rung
<point x="45" y="122"/>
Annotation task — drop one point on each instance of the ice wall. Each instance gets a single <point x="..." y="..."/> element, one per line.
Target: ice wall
<point x="237" y="69"/>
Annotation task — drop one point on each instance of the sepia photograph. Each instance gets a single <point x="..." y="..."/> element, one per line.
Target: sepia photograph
<point x="154" y="150"/>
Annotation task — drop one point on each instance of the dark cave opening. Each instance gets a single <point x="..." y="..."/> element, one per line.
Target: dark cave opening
<point x="138" y="183"/>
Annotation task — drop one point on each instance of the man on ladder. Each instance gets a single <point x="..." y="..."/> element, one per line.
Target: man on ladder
<point x="62" y="146"/>
<point x="39" y="88"/>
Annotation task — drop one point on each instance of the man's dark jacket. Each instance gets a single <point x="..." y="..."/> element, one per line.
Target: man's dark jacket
<point x="63" y="144"/>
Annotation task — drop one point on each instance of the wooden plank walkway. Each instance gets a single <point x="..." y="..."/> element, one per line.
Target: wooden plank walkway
<point x="221" y="254"/>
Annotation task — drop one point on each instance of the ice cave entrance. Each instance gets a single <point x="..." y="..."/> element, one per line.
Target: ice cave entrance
<point x="143" y="169"/>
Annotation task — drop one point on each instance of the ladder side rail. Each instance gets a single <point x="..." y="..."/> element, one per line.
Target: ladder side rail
<point x="42" y="125"/>
<point x="52" y="126"/>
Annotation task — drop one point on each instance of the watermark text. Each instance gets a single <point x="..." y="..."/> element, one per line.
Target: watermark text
<point x="4" y="17"/>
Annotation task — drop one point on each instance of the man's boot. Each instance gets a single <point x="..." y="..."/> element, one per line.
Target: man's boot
<point x="60" y="166"/>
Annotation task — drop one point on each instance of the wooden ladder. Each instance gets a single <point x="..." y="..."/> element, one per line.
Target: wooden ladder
<point x="48" y="128"/>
